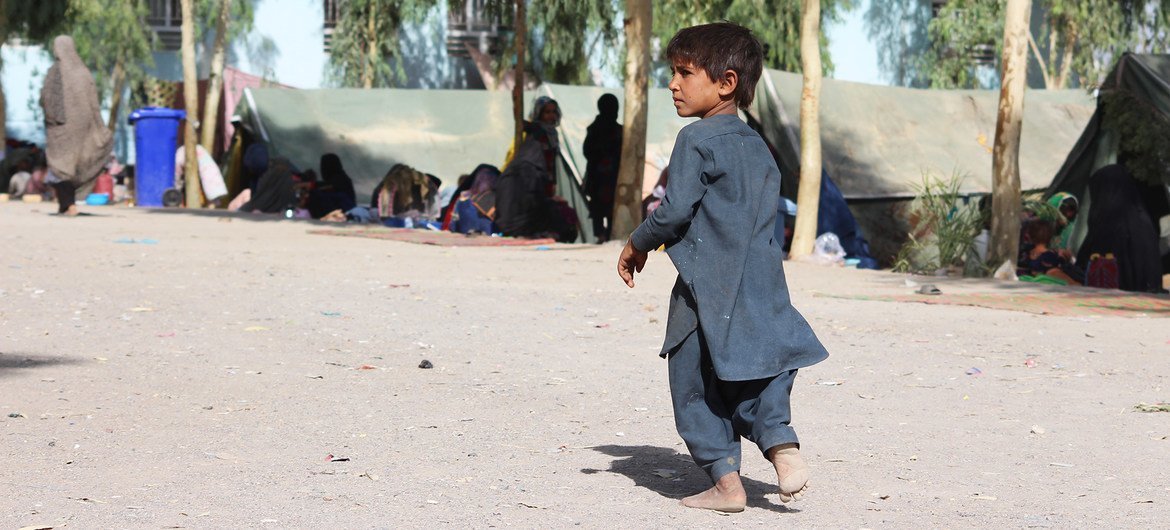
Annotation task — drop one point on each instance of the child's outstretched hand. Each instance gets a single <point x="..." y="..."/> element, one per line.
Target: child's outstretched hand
<point x="632" y="260"/>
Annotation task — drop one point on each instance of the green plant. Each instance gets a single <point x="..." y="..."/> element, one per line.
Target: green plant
<point x="943" y="228"/>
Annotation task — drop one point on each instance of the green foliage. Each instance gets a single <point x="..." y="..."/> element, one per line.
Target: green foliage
<point x="241" y="16"/>
<point x="564" y="33"/>
<point x="1144" y="136"/>
<point x="1076" y="41"/>
<point x="943" y="228"/>
<point x="109" y="33"/>
<point x="962" y="29"/>
<point x="366" y="43"/>
<point x="776" y="23"/>
<point x="33" y="20"/>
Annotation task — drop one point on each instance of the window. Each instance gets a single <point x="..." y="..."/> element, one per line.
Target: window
<point x="471" y="24"/>
<point x="330" y="23"/>
<point x="166" y="19"/>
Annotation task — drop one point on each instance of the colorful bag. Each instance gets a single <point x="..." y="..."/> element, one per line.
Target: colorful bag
<point x="1102" y="272"/>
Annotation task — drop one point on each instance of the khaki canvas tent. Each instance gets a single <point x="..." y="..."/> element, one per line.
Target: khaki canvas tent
<point x="877" y="141"/>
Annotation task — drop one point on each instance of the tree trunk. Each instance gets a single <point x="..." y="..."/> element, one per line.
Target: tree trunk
<point x="369" y="69"/>
<point x="808" y="195"/>
<point x="191" y="101"/>
<point x="627" y="204"/>
<point x="521" y="28"/>
<point x="119" y="81"/>
<point x="1005" y="192"/>
<point x="3" y="117"/>
<point x="215" y="78"/>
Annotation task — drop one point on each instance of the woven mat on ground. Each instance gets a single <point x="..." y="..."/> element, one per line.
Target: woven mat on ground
<point x="431" y="237"/>
<point x="1110" y="303"/>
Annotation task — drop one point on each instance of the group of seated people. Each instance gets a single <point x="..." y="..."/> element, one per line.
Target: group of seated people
<point x="1123" y="247"/>
<point x="520" y="201"/>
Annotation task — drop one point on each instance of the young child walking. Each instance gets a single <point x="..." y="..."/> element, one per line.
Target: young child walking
<point x="733" y="340"/>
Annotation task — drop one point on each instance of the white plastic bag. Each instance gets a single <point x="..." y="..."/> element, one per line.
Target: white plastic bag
<point x="827" y="250"/>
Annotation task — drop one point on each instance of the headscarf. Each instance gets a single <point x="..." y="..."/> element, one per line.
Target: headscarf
<point x="1119" y="224"/>
<point x="1065" y="235"/>
<point x="77" y="141"/>
<point x="1058" y="199"/>
<point x="256" y="160"/>
<point x="334" y="175"/>
<point x="483" y="179"/>
<point x="550" y="129"/>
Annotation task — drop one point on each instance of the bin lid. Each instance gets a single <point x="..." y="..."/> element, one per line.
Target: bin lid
<point x="146" y="113"/>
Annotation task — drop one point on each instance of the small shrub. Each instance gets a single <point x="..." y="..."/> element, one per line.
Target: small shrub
<point x="944" y="227"/>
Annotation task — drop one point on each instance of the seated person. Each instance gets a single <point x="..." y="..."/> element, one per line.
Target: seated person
<point x="1037" y="260"/>
<point x="473" y="209"/>
<point x="1068" y="206"/>
<point x="524" y="207"/>
<point x="334" y="194"/>
<point x="275" y="191"/>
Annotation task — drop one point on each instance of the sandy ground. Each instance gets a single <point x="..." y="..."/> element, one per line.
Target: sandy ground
<point x="199" y="376"/>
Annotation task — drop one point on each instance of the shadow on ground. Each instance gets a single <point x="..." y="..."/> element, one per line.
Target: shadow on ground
<point x="11" y="363"/>
<point x="639" y="462"/>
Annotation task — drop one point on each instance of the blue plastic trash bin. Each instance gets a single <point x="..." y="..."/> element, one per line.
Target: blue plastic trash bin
<point x="156" y="130"/>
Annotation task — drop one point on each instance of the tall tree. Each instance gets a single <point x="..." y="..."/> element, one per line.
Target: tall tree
<point x="1005" y="192"/>
<point x="191" y="101"/>
<point x="113" y="39"/>
<point x="520" y="40"/>
<point x="631" y="168"/>
<point x="215" y="75"/>
<point x="809" y="193"/>
<point x="776" y="23"/>
<point x="365" y="50"/>
<point x="35" y="21"/>
<point x="1075" y="43"/>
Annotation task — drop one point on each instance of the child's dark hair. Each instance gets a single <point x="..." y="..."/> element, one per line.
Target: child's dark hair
<point x="1039" y="231"/>
<point x="719" y="47"/>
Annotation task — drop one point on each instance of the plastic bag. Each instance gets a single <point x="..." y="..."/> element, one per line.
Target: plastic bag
<point x="827" y="250"/>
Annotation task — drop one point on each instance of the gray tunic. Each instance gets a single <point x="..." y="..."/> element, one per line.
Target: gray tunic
<point x="717" y="221"/>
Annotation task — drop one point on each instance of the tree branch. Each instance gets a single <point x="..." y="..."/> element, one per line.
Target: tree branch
<point x="1040" y="60"/>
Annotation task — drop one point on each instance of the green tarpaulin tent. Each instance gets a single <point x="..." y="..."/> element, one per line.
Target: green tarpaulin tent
<point x="442" y="132"/>
<point x="1139" y="86"/>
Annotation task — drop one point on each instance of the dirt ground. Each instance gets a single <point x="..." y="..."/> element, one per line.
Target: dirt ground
<point x="163" y="370"/>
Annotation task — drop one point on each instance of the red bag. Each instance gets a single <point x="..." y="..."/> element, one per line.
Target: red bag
<point x="1102" y="272"/>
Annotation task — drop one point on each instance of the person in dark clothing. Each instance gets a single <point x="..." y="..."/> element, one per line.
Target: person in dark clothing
<point x="1120" y="225"/>
<point x="523" y="206"/>
<point x="734" y="342"/>
<point x="335" y="191"/>
<point x="603" y="153"/>
<point x="275" y="190"/>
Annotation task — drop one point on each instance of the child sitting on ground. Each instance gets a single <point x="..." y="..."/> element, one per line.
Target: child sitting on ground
<point x="733" y="340"/>
<point x="1039" y="263"/>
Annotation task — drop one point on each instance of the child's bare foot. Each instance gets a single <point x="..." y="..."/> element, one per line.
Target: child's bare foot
<point x="791" y="471"/>
<point x="72" y="211"/>
<point x="726" y="496"/>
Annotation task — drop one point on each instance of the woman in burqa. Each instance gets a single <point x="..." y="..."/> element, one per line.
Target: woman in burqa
<point x="523" y="206"/>
<point x="603" y="152"/>
<point x="1119" y="224"/>
<point x="274" y="191"/>
<point x="77" y="142"/>
<point x="336" y="190"/>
